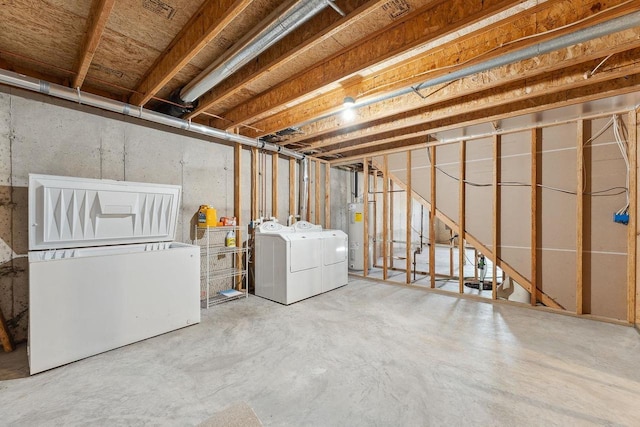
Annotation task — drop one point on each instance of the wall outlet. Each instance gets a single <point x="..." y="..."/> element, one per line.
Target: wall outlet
<point x="621" y="218"/>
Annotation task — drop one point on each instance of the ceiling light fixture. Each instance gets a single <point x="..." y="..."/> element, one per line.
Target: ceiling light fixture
<point x="349" y="113"/>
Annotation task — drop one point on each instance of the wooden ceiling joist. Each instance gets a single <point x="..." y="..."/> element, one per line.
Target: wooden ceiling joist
<point x="213" y="17"/>
<point x="96" y="23"/>
<point x="436" y="20"/>
<point x="482" y="46"/>
<point x="548" y="75"/>
<point x="311" y="35"/>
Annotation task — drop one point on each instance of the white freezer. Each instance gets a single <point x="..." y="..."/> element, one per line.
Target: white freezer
<point x="85" y="299"/>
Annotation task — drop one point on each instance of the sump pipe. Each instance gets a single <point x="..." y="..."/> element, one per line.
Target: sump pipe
<point x="35" y="85"/>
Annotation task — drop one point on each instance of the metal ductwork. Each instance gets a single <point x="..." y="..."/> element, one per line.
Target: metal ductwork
<point x="35" y="85"/>
<point x="279" y="23"/>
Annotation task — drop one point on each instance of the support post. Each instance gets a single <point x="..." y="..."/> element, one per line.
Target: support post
<point x="632" y="231"/>
<point x="317" y="191"/>
<point x="408" y="219"/>
<point x="374" y="261"/>
<point x="497" y="140"/>
<point x="432" y="219"/>
<point x="391" y="223"/>
<point x="385" y="217"/>
<point x="536" y="136"/>
<point x="365" y="194"/>
<point x="254" y="183"/>
<point x="237" y="202"/>
<point x="580" y="168"/>
<point x="461" y="214"/>
<point x="327" y="195"/>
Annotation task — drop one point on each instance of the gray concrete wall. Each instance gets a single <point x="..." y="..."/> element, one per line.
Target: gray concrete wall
<point x="43" y="135"/>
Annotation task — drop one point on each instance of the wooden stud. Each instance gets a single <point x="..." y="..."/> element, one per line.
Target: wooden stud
<point x="96" y="23"/>
<point x="374" y="261"/>
<point x="536" y="137"/>
<point x="409" y="217"/>
<point x="633" y="212"/>
<point x="237" y="202"/>
<point x="385" y="217"/>
<point x="475" y="264"/>
<point x="254" y="183"/>
<point x="365" y="194"/>
<point x="497" y="140"/>
<point x="317" y="192"/>
<point x="274" y="184"/>
<point x="308" y="216"/>
<point x="461" y="214"/>
<point x="292" y="186"/>
<point x="327" y="195"/>
<point x="391" y="223"/>
<point x="432" y="219"/>
<point x="580" y="170"/>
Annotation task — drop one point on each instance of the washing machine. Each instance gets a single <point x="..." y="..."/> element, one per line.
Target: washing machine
<point x="288" y="263"/>
<point x="335" y="244"/>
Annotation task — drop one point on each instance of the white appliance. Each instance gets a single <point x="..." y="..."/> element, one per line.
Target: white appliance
<point x="288" y="264"/>
<point x="103" y="269"/>
<point x="335" y="272"/>
<point x="356" y="237"/>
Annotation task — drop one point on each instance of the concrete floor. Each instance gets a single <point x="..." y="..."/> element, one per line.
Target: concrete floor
<point x="365" y="354"/>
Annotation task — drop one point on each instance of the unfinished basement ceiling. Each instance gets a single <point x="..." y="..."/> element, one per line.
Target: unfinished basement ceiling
<point x="384" y="54"/>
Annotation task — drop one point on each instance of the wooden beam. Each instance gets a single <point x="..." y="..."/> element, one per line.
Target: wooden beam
<point x="483" y="44"/>
<point x="292" y="186"/>
<point x="254" y="183"/>
<point x="632" y="227"/>
<point x="202" y="28"/>
<point x="365" y="197"/>
<point x="374" y="261"/>
<point x="408" y="112"/>
<point x="580" y="182"/>
<point x="274" y="184"/>
<point x="388" y="44"/>
<point x="391" y="223"/>
<point x="409" y="215"/>
<point x="497" y="141"/>
<point x="385" y="217"/>
<point x="536" y="139"/>
<point x="317" y="192"/>
<point x="327" y="195"/>
<point x="308" y="216"/>
<point x="312" y="34"/>
<point x="461" y="214"/>
<point x="237" y="202"/>
<point x="432" y="218"/>
<point x="96" y="23"/>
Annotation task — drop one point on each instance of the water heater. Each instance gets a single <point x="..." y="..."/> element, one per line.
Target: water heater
<point x="356" y="236"/>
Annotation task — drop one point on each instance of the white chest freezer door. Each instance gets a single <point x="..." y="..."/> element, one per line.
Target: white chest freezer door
<point x="67" y="212"/>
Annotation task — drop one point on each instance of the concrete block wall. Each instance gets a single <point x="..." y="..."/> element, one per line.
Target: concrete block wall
<point x="39" y="134"/>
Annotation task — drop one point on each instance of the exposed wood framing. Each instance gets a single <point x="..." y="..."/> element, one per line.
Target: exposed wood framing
<point x="211" y="19"/>
<point x="461" y="214"/>
<point x="408" y="218"/>
<point x="374" y="261"/>
<point x="327" y="195"/>
<point x="274" y="184"/>
<point x="391" y="224"/>
<point x="580" y="182"/>
<point x="632" y="227"/>
<point x="237" y="202"/>
<point x="254" y="183"/>
<point x="365" y="199"/>
<point x="308" y="217"/>
<point x="432" y="218"/>
<point x="385" y="217"/>
<point x="96" y="22"/>
<point x="536" y="140"/>
<point x="317" y="192"/>
<point x="292" y="186"/>
<point x="497" y="141"/>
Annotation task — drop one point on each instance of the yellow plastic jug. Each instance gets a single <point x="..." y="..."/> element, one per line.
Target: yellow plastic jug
<point x="207" y="216"/>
